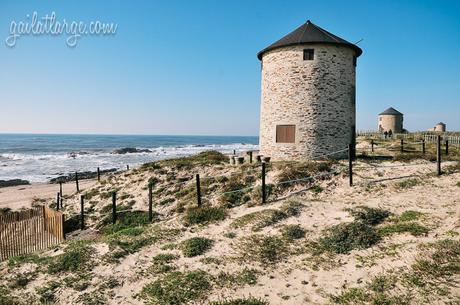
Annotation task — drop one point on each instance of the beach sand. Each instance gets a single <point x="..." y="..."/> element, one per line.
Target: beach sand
<point x="22" y="196"/>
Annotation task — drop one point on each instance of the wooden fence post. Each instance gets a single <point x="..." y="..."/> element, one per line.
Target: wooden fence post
<point x="76" y="182"/>
<point x="114" y="207"/>
<point x="63" y="226"/>
<point x="198" y="190"/>
<point x="127" y="167"/>
<point x="372" y="145"/>
<point x="60" y="188"/>
<point x="150" y="203"/>
<point x="423" y="146"/>
<point x="57" y="201"/>
<point x="438" y="155"/>
<point x="234" y="152"/>
<point x="250" y="156"/>
<point x="447" y="147"/>
<point x="402" y="145"/>
<point x="82" y="212"/>
<point x="98" y="175"/>
<point x="264" y="194"/>
<point x="350" y="163"/>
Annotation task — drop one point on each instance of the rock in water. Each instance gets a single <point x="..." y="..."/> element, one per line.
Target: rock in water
<point x="130" y="150"/>
<point x="13" y="182"/>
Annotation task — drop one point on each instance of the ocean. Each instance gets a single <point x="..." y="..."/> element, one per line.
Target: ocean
<point x="40" y="157"/>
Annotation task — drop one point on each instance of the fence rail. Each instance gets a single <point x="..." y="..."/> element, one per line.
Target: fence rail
<point x="31" y="230"/>
<point x="451" y="137"/>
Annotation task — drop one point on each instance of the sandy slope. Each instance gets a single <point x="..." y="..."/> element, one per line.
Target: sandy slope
<point x="298" y="279"/>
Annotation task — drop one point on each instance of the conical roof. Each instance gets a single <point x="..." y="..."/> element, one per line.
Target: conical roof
<point x="391" y="111"/>
<point x="309" y="33"/>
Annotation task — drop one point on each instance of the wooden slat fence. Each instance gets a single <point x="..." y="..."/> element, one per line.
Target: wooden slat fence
<point x="28" y="231"/>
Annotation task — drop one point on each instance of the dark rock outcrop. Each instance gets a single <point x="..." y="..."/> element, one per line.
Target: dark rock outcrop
<point x="13" y="182"/>
<point x="129" y="150"/>
<point x="81" y="175"/>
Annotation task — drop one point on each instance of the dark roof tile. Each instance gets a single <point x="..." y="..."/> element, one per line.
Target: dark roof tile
<point x="309" y="33"/>
<point x="391" y="111"/>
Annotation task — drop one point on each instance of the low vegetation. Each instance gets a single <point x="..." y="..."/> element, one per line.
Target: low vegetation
<point x="345" y="237"/>
<point x="78" y="256"/>
<point x="195" y="246"/>
<point x="370" y="216"/>
<point x="264" y="218"/>
<point x="204" y="215"/>
<point x="248" y="301"/>
<point x="291" y="232"/>
<point x="263" y="249"/>
<point x="177" y="288"/>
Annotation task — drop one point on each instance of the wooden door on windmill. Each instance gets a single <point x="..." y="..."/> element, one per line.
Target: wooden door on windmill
<point x="285" y="134"/>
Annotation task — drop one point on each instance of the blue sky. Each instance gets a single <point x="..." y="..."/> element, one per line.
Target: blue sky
<point x="190" y="67"/>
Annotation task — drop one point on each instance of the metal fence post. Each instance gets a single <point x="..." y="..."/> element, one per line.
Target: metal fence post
<point x="264" y="194"/>
<point x="438" y="155"/>
<point x="372" y="145"/>
<point x="98" y="174"/>
<point x="82" y="215"/>
<point x="350" y="163"/>
<point x="76" y="182"/>
<point x="57" y="201"/>
<point x="447" y="147"/>
<point x="198" y="189"/>
<point x="60" y="188"/>
<point x="423" y="146"/>
<point x="402" y="145"/>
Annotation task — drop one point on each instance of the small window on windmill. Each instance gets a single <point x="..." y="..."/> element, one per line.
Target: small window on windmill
<point x="285" y="133"/>
<point x="308" y="54"/>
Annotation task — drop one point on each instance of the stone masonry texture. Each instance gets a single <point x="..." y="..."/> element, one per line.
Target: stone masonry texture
<point x="317" y="96"/>
<point x="391" y="122"/>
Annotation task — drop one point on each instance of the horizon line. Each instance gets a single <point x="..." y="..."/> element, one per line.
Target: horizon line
<point x="123" y="134"/>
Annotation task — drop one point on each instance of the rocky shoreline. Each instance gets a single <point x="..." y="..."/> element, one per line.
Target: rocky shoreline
<point x="81" y="175"/>
<point x="13" y="182"/>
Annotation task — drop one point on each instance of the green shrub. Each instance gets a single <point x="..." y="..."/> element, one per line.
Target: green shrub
<point x="125" y="220"/>
<point x="408" y="183"/>
<point x="413" y="228"/>
<point x="195" y="246"/>
<point x="438" y="263"/>
<point x="246" y="301"/>
<point x="316" y="189"/>
<point x="161" y="263"/>
<point x="78" y="256"/>
<point x="299" y="170"/>
<point x="345" y="237"/>
<point x="291" y="232"/>
<point x="178" y="288"/>
<point x="204" y="215"/>
<point x="291" y="208"/>
<point x="409" y="216"/>
<point x="232" y="199"/>
<point x="47" y="293"/>
<point x="204" y="158"/>
<point x="370" y="216"/>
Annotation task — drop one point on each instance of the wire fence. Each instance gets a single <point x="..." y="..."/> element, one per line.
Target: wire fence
<point x="220" y="186"/>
